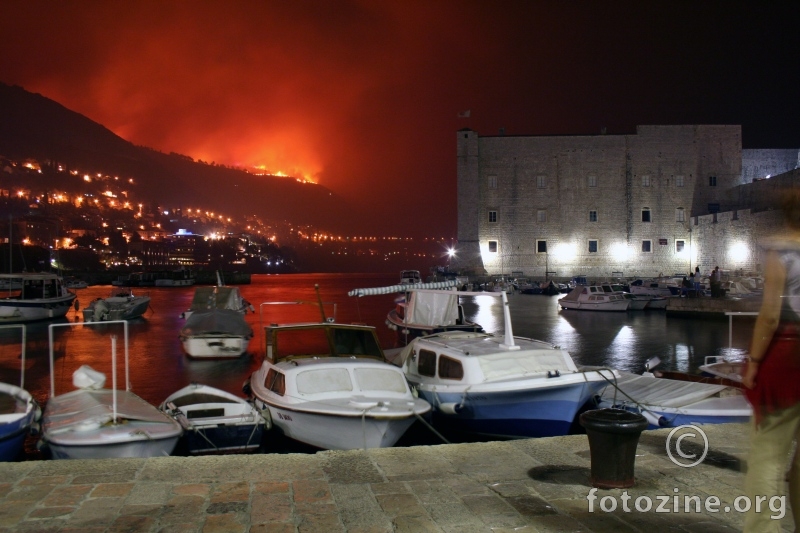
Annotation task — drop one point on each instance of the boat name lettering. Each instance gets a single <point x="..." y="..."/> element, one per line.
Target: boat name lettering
<point x="284" y="417"/>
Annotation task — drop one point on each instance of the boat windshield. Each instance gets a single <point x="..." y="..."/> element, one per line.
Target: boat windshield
<point x="325" y="341"/>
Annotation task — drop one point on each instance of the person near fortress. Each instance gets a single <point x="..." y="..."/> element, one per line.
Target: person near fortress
<point x="697" y="279"/>
<point x="771" y="377"/>
<point x="716" y="282"/>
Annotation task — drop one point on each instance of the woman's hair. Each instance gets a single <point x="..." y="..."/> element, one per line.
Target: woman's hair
<point x="790" y="204"/>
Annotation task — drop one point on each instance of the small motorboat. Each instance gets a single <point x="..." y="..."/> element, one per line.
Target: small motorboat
<point x="31" y="296"/>
<point x="215" y="421"/>
<point x="499" y="385"/>
<point x="121" y="304"/>
<point x="93" y="422"/>
<point x="721" y="367"/>
<point x="327" y="384"/>
<point x="594" y="298"/>
<point x="19" y="412"/>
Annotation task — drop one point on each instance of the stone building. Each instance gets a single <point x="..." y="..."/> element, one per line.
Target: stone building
<point x="606" y="206"/>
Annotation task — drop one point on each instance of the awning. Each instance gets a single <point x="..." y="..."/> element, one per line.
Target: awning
<point x="403" y="288"/>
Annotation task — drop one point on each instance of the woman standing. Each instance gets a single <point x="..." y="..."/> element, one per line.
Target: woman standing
<point x="772" y="376"/>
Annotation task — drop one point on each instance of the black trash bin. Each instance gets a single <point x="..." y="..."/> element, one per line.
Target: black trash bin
<point x="613" y="437"/>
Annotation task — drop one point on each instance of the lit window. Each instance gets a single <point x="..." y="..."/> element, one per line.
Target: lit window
<point x="647" y="247"/>
<point x="493" y="247"/>
<point x="592" y="246"/>
<point x="492" y="216"/>
<point x="679" y="246"/>
<point x="592" y="216"/>
<point x="541" y="247"/>
<point x="492" y="182"/>
<point x="541" y="182"/>
<point x="679" y="215"/>
<point x="646" y="214"/>
<point x="679" y="181"/>
<point x="645" y="181"/>
<point x="592" y="181"/>
<point x="541" y="215"/>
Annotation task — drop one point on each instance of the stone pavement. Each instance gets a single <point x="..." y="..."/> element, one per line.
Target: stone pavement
<point x="513" y="486"/>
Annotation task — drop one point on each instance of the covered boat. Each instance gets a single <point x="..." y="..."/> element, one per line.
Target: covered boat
<point x="121" y="304"/>
<point x="215" y="324"/>
<point x="423" y="309"/>
<point x="93" y="422"/>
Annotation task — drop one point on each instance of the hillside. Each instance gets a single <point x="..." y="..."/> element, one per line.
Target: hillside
<point x="32" y="126"/>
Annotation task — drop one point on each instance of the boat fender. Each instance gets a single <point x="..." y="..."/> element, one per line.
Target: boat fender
<point x="450" y="408"/>
<point x="265" y="414"/>
<point x="654" y="419"/>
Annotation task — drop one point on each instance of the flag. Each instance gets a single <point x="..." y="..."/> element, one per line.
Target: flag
<point x="464" y="114"/>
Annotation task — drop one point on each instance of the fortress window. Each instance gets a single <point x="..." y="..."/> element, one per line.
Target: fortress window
<point x="592" y="216"/>
<point x="646" y="214"/>
<point x="712" y="181"/>
<point x="679" y="215"/>
<point x="541" y="215"/>
<point x="592" y="181"/>
<point x="679" y="246"/>
<point x="492" y="217"/>
<point x="647" y="247"/>
<point x="592" y="246"/>
<point x="645" y="181"/>
<point x="492" y="182"/>
<point x="541" y="181"/>
<point x="679" y="181"/>
<point x="493" y="247"/>
<point x="541" y="247"/>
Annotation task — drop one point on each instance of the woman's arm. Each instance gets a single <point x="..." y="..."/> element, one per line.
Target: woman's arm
<point x="768" y="316"/>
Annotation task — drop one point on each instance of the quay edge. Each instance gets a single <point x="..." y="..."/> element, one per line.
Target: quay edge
<point x="706" y="307"/>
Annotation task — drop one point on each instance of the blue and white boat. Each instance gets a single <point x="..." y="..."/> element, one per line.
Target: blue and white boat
<point x="31" y="296"/>
<point x="498" y="385"/>
<point x="19" y="412"/>
<point x="667" y="402"/>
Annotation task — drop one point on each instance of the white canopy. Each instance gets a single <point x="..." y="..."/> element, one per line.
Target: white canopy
<point x="372" y="291"/>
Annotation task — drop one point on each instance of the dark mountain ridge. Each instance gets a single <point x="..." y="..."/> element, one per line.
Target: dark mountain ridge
<point x="33" y="126"/>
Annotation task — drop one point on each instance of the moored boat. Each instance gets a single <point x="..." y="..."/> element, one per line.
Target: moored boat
<point x="215" y="421"/>
<point x="121" y="304"/>
<point x="327" y="385"/>
<point x="498" y="385"/>
<point x="19" y="412"/>
<point x="33" y="296"/>
<point x="594" y="298"/>
<point x="93" y="422"/>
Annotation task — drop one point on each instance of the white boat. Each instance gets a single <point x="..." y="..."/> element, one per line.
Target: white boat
<point x="594" y="298"/>
<point x="636" y="302"/>
<point x="669" y="402"/>
<point x="33" y="296"/>
<point x="653" y="287"/>
<point x="75" y="283"/>
<point x="410" y="277"/>
<point x="19" y="412"/>
<point x="215" y="324"/>
<point x="326" y="384"/>
<point x="93" y="422"/>
<point x="420" y="312"/>
<point x="499" y="385"/>
<point x="215" y="421"/>
<point x="121" y="304"/>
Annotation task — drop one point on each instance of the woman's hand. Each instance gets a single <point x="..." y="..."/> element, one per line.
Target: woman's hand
<point x="750" y="373"/>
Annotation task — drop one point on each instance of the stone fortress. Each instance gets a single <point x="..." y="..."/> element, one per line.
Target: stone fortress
<point x="661" y="201"/>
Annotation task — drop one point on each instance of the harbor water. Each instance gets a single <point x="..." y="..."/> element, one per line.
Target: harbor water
<point x="158" y="366"/>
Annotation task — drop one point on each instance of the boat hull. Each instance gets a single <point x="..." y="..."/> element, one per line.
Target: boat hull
<point x="14" y="311"/>
<point x="616" y="306"/>
<point x="136" y="449"/>
<point x="540" y="412"/>
<point x="334" y="432"/>
<point x="15" y="426"/>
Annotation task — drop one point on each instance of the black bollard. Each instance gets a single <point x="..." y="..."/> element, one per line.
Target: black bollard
<point x="613" y="437"/>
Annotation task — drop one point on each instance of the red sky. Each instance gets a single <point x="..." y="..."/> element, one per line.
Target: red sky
<point x="363" y="96"/>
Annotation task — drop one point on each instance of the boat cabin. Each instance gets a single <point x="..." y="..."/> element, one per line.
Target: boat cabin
<point x="316" y="340"/>
<point x="410" y="277"/>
